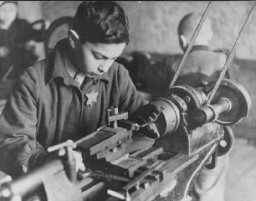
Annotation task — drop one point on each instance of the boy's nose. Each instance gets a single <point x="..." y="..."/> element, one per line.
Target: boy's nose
<point x="103" y="68"/>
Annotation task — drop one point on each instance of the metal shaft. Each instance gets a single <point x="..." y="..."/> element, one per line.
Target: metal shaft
<point x="195" y="34"/>
<point x="231" y="55"/>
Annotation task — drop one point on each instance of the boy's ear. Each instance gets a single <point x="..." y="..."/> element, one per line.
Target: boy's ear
<point x="72" y="38"/>
<point x="183" y="42"/>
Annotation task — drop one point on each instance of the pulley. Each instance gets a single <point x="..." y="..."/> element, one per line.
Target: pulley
<point x="231" y="102"/>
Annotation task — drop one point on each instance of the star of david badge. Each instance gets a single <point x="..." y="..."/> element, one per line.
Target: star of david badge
<point x="91" y="97"/>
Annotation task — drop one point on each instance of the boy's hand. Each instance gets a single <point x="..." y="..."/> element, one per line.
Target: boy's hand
<point x="66" y="150"/>
<point x="79" y="161"/>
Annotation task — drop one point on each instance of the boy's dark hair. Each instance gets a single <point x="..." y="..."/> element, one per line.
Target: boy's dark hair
<point x="101" y="22"/>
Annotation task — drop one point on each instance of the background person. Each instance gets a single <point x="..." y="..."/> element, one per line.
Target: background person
<point x="17" y="51"/>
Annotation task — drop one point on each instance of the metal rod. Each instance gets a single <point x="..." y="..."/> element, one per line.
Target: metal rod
<point x="230" y="57"/>
<point x="195" y="34"/>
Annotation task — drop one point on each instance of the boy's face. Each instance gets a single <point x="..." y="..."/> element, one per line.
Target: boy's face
<point x="98" y="57"/>
<point x="8" y="13"/>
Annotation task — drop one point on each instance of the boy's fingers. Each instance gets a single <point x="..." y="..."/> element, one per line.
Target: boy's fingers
<point x="79" y="161"/>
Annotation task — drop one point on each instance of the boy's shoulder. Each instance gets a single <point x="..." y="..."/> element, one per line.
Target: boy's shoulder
<point x="117" y="68"/>
<point x="35" y="73"/>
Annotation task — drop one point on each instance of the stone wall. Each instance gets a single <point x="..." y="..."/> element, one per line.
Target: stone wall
<point x="153" y="24"/>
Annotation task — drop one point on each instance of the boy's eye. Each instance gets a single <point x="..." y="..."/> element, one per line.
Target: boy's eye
<point x="99" y="56"/>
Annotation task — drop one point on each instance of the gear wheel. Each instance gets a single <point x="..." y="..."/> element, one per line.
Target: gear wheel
<point x="196" y="98"/>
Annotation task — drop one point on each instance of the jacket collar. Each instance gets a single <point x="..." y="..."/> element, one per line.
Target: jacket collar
<point x="57" y="64"/>
<point x="200" y="47"/>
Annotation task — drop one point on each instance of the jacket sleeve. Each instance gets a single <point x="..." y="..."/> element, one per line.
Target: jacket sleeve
<point x="130" y="98"/>
<point x="18" y="146"/>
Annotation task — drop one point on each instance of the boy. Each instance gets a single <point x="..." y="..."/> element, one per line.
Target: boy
<point x="66" y="95"/>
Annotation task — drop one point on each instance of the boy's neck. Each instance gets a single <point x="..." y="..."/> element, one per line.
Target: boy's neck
<point x="202" y="42"/>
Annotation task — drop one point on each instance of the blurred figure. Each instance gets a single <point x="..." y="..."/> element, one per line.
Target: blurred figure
<point x="202" y="64"/>
<point x="17" y="51"/>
